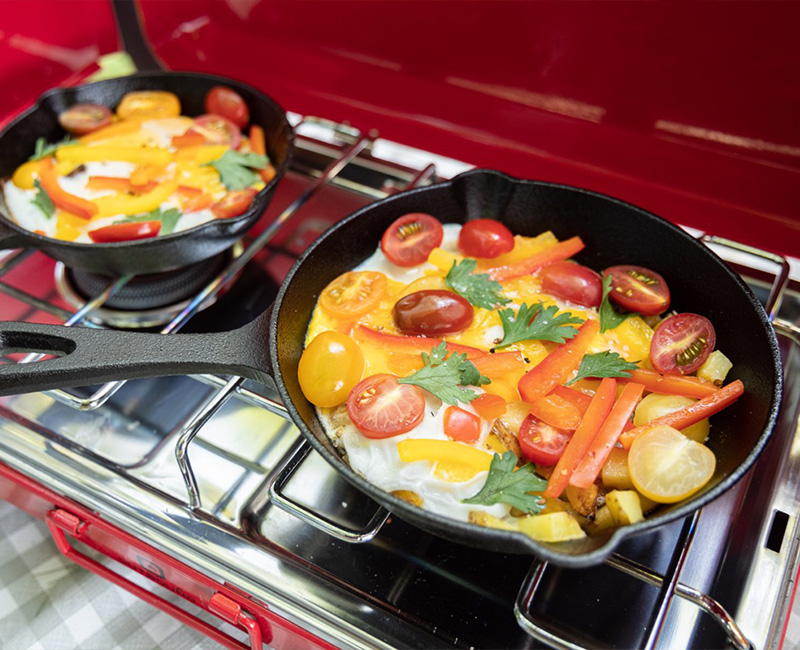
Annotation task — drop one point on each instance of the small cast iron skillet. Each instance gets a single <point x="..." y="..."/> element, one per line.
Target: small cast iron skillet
<point x="614" y="233"/>
<point x="158" y="254"/>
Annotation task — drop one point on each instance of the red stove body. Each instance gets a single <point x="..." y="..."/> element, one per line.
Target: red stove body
<point x="688" y="110"/>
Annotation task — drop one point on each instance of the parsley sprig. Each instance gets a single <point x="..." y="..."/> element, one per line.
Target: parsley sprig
<point x="603" y="364"/>
<point x="538" y="323"/>
<point x="42" y="149"/>
<point x="477" y="288"/>
<point x="504" y="484"/>
<point x="446" y="377"/>
<point x="236" y="169"/>
<point x="609" y="317"/>
<point x="168" y="218"/>
<point x="42" y="200"/>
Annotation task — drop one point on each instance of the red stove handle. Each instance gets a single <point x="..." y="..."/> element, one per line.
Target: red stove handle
<point x="61" y="521"/>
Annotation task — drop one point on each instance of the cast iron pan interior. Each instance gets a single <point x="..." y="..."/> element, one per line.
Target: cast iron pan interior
<point x="614" y="233"/>
<point x="17" y="142"/>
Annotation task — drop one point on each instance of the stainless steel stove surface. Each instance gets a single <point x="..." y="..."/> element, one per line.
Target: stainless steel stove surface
<point x="208" y="470"/>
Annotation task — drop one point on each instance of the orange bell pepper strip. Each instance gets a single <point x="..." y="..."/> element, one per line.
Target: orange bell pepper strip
<point x="556" y="253"/>
<point x="410" y="344"/>
<point x="595" y="458"/>
<point x="188" y="139"/>
<point x="580" y="399"/>
<point x="61" y="199"/>
<point x="582" y="439"/>
<point x="122" y="127"/>
<point x="557" y="366"/>
<point x="118" y="184"/>
<point x="193" y="199"/>
<point x="258" y="144"/>
<point x="489" y="406"/>
<point x="686" y="417"/>
<point x="685" y="386"/>
<point x="499" y="363"/>
<point x="557" y="412"/>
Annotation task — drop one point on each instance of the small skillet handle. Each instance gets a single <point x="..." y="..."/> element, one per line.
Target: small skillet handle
<point x="10" y="238"/>
<point x="93" y="356"/>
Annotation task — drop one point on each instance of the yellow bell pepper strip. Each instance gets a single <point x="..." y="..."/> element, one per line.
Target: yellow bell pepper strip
<point x="443" y="260"/>
<point x="108" y="206"/>
<point x="123" y="127"/>
<point x="467" y="460"/>
<point x="61" y="199"/>
<point x="582" y="439"/>
<point x="101" y="153"/>
<point x="203" y="154"/>
<point x="595" y="458"/>
<point x="557" y="253"/>
<point x="557" y="366"/>
<point x="689" y="415"/>
<point x="23" y="175"/>
<point x="258" y="144"/>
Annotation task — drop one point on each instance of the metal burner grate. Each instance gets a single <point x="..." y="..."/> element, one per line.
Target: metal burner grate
<point x="250" y="514"/>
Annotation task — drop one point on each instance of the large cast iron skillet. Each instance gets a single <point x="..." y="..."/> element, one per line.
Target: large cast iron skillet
<point x="614" y="233"/>
<point x="158" y="254"/>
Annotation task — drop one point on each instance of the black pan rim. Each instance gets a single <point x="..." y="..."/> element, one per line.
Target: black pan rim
<point x="211" y="227"/>
<point x="518" y="542"/>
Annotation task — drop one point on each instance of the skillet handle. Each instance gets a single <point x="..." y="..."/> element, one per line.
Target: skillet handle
<point x="10" y="238"/>
<point x="89" y="356"/>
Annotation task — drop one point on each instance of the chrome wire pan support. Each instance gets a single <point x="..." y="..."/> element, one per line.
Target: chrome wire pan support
<point x="669" y="583"/>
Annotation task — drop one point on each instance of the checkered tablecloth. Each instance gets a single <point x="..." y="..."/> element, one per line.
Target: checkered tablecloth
<point x="50" y="603"/>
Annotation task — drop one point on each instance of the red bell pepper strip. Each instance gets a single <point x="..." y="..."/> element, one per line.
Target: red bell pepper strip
<point x="557" y="366"/>
<point x="125" y="231"/>
<point x="556" y="253"/>
<point x="60" y="198"/>
<point x="595" y="458"/>
<point x="582" y="439"/>
<point x="557" y="412"/>
<point x="685" y="386"/>
<point x="410" y="344"/>
<point x="686" y="417"/>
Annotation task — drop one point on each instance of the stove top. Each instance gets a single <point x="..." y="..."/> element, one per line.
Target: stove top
<point x="209" y="470"/>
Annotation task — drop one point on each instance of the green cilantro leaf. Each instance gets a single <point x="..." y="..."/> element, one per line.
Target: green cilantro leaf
<point x="43" y="150"/>
<point x="168" y="218"/>
<point x="446" y="377"/>
<point x="42" y="200"/>
<point x="609" y="318"/>
<point x="603" y="364"/>
<point x="504" y="484"/>
<point x="236" y="169"/>
<point x="538" y="323"/>
<point x="477" y="288"/>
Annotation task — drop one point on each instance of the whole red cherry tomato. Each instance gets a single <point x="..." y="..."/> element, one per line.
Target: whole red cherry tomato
<point x="380" y="407"/>
<point x="638" y="289"/>
<point x="432" y="312"/>
<point x="226" y="102"/>
<point x="682" y="343"/>
<point x="411" y="238"/>
<point x="541" y="443"/>
<point x="572" y="282"/>
<point x="485" y="238"/>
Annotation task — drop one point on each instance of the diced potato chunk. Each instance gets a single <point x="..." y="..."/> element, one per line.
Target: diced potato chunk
<point x="715" y="368"/>
<point x="625" y="506"/>
<point x="615" y="472"/>
<point x="584" y="500"/>
<point x="552" y="527"/>
<point x="602" y="519"/>
<point x="490" y="521"/>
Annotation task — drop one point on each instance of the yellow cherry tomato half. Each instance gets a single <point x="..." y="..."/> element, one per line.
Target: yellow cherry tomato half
<point x="656" y="405"/>
<point x="149" y="104"/>
<point x="329" y="368"/>
<point x="353" y="294"/>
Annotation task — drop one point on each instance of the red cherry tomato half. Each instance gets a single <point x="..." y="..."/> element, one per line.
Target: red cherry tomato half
<point x="572" y="282"/>
<point x="411" y="238"/>
<point x="636" y="288"/>
<point x="125" y="231"/>
<point x="485" y="238"/>
<point x="217" y="129"/>
<point x="233" y="203"/>
<point x="380" y="407"/>
<point x="681" y="344"/>
<point x="541" y="443"/>
<point x="461" y="425"/>
<point x="81" y="119"/>
<point x="226" y="102"/>
<point x="432" y="312"/>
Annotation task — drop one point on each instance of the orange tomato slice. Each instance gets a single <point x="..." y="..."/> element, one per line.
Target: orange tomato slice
<point x="353" y="294"/>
